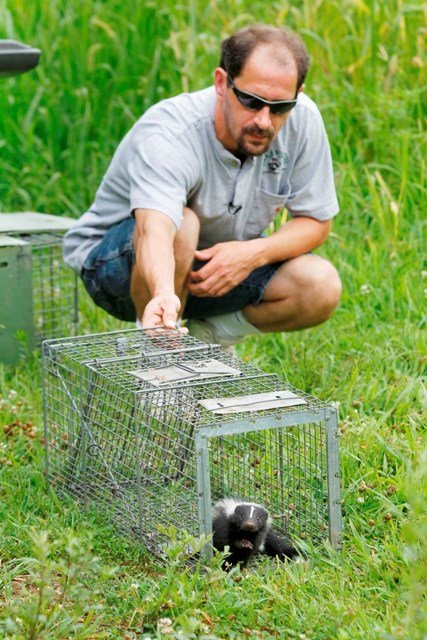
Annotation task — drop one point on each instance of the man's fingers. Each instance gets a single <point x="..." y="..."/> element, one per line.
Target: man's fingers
<point x="170" y="312"/>
<point x="169" y="320"/>
<point x="202" y="274"/>
<point x="209" y="288"/>
<point x="162" y="311"/>
<point x="205" y="254"/>
<point x="205" y="272"/>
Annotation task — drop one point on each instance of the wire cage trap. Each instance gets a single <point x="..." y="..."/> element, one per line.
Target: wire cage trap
<point x="38" y="290"/>
<point x="154" y="426"/>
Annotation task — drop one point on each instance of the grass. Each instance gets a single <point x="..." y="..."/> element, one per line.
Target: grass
<point x="65" y="575"/>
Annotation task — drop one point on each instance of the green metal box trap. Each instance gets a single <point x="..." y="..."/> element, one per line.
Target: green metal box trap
<point x="38" y="291"/>
<point x="153" y="427"/>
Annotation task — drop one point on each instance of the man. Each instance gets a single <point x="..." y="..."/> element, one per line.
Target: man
<point x="177" y="223"/>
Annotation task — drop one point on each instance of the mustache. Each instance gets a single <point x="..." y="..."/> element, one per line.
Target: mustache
<point x="268" y="133"/>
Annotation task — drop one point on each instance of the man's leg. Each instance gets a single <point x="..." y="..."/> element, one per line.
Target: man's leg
<point x="184" y="247"/>
<point x="304" y="292"/>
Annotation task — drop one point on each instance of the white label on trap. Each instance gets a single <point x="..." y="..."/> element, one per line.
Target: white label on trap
<point x="188" y="370"/>
<point x="253" y="402"/>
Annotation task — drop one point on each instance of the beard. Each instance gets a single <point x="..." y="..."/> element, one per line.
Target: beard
<point x="255" y="147"/>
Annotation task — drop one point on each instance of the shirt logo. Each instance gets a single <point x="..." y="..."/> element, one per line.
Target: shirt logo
<point x="275" y="161"/>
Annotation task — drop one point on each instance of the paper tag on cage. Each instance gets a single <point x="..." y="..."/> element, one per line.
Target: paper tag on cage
<point x="186" y="370"/>
<point x="253" y="402"/>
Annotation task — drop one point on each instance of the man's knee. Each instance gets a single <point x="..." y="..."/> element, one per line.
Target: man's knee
<point x="313" y="285"/>
<point x="322" y="289"/>
<point x="328" y="286"/>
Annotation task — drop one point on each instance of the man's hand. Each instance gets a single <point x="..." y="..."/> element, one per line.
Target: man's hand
<point x="162" y="311"/>
<point x="229" y="263"/>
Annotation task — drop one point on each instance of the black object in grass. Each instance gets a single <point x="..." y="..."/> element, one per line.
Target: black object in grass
<point x="245" y="527"/>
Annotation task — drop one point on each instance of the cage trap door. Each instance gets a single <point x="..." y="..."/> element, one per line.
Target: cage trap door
<point x="204" y="491"/>
<point x="16" y="295"/>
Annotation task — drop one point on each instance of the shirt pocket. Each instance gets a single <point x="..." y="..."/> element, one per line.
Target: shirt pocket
<point x="265" y="207"/>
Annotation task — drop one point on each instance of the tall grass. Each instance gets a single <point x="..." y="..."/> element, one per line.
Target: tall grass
<point x="103" y="63"/>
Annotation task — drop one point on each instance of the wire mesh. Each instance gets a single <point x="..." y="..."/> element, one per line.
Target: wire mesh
<point x="282" y="467"/>
<point x="55" y="287"/>
<point x="122" y="411"/>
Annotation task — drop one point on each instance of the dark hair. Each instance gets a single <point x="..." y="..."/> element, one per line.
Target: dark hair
<point x="236" y="49"/>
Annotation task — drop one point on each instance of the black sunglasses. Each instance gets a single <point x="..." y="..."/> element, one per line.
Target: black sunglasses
<point x="255" y="103"/>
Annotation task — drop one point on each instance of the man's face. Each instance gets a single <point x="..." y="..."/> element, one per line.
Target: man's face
<point x="241" y="129"/>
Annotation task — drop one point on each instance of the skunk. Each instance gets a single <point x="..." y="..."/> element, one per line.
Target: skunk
<point x="245" y="527"/>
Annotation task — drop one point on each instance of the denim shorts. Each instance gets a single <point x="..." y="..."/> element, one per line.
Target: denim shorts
<point x="107" y="270"/>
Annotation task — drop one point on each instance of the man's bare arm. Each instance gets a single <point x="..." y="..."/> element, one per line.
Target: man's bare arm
<point x="297" y="236"/>
<point x="155" y="263"/>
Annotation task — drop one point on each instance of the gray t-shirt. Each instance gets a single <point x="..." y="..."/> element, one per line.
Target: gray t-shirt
<point x="171" y="158"/>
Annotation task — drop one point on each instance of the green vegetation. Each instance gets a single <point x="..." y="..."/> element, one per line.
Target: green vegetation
<point x="64" y="575"/>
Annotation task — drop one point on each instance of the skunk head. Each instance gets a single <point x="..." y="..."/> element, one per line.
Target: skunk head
<point x="249" y="517"/>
